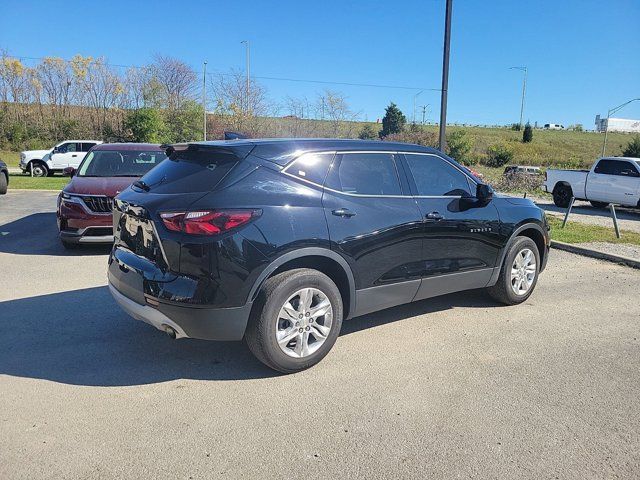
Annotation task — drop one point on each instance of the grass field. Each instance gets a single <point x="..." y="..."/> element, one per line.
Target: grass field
<point x="19" y="181"/>
<point x="12" y="159"/>
<point x="575" y="232"/>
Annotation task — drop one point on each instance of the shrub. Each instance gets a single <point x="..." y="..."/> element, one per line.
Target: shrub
<point x="144" y="125"/>
<point x="515" y="126"/>
<point x="420" y="137"/>
<point x="633" y="148"/>
<point x="499" y="155"/>
<point x="393" y="121"/>
<point x="527" y="134"/>
<point x="459" y="146"/>
<point x="367" y="133"/>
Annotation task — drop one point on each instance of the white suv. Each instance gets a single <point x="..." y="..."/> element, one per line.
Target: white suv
<point x="65" y="154"/>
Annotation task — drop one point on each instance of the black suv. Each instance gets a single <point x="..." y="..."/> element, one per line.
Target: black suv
<point x="278" y="241"/>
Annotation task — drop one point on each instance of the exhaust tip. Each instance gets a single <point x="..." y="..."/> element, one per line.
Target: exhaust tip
<point x="170" y="331"/>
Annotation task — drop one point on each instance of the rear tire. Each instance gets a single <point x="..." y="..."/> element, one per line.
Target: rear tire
<point x="595" y="204"/>
<point x="514" y="270"/>
<point x="281" y="321"/>
<point x="562" y="195"/>
<point x="39" y="169"/>
<point x="4" y="181"/>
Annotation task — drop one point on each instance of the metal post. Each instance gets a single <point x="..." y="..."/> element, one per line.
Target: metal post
<point x="204" y="99"/>
<point x="612" y="209"/>
<point x="248" y="68"/>
<point x="445" y="77"/>
<point x="566" y="215"/>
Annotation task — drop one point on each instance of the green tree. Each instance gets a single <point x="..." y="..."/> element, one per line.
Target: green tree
<point x="499" y="155"/>
<point x="393" y="121"/>
<point x="633" y="148"/>
<point x="527" y="134"/>
<point x="186" y="124"/>
<point x="367" y="133"/>
<point x="459" y="146"/>
<point x="145" y="125"/>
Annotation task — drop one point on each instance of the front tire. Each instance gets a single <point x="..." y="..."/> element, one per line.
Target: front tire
<point x="295" y="320"/>
<point x="519" y="273"/>
<point x="69" y="245"/>
<point x="39" y="169"/>
<point x="562" y="196"/>
<point x="4" y="181"/>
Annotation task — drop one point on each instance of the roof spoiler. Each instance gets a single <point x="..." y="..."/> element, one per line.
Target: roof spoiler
<point x="234" y="136"/>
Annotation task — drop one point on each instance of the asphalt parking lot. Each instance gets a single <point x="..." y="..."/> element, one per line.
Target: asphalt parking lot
<point x="454" y="387"/>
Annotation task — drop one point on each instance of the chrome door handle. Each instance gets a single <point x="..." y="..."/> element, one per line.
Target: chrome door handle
<point x="343" y="212"/>
<point x="434" y="216"/>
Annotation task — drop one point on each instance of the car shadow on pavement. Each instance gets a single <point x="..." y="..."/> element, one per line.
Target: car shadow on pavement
<point x="81" y="337"/>
<point x="37" y="234"/>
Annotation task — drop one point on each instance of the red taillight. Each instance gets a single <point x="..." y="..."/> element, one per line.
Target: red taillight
<point x="207" y="222"/>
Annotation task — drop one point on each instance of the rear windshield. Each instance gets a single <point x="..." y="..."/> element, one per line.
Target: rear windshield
<point x="190" y="171"/>
<point x="119" y="163"/>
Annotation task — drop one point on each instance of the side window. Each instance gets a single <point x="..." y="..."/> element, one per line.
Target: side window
<point x="436" y="177"/>
<point x="604" y="167"/>
<point x="365" y="174"/>
<point x="68" y="147"/>
<point x="625" y="169"/>
<point x="87" y="146"/>
<point x="311" y="166"/>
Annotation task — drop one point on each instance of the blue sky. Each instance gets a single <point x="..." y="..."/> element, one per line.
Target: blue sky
<point x="582" y="55"/>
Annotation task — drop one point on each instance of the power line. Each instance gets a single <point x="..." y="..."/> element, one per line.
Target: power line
<point x="281" y="79"/>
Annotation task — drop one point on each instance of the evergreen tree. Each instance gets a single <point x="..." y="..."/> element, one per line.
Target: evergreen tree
<point x="393" y="121"/>
<point x="527" y="134"/>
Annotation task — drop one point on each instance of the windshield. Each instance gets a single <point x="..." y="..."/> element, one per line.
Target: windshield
<point x="119" y="163"/>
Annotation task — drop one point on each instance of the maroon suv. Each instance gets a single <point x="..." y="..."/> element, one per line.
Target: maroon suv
<point x="84" y="205"/>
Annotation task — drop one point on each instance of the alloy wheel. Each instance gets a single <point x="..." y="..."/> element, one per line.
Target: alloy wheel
<point x="523" y="271"/>
<point x="304" y="322"/>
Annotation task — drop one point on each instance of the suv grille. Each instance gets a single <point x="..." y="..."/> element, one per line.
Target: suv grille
<point x="99" y="204"/>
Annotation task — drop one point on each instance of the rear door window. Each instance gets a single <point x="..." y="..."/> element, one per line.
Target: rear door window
<point x="435" y="177"/>
<point x="365" y="174"/>
<point x="312" y="167"/>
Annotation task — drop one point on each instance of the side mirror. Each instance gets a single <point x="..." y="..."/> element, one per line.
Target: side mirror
<point x="484" y="192"/>
<point x="69" y="172"/>
<point x="55" y="150"/>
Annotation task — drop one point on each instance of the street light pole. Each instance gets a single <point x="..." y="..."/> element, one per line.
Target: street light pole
<point x="204" y="99"/>
<point x="415" y="97"/>
<point x="524" y="90"/>
<point x="606" y="126"/>
<point x="248" y="62"/>
<point x="445" y="77"/>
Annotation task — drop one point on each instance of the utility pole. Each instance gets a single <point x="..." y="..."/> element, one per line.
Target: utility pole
<point x="415" y="97"/>
<point x="445" y="77"/>
<point x="248" y="69"/>
<point x="524" y="90"/>
<point x="424" y="111"/>
<point x="609" y="113"/>
<point x="204" y="99"/>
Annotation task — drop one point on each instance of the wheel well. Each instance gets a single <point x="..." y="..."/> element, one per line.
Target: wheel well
<point x="562" y="184"/>
<point x="329" y="267"/>
<point x="537" y="237"/>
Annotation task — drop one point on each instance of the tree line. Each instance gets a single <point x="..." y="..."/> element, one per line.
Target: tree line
<point x="86" y="97"/>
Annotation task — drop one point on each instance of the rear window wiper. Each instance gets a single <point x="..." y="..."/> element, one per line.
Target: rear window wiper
<point x="141" y="185"/>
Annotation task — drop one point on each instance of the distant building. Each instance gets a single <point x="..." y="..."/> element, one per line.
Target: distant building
<point x="617" y="125"/>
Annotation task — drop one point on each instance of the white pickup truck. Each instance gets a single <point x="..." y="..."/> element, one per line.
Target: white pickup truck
<point x="611" y="180"/>
<point x="42" y="163"/>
